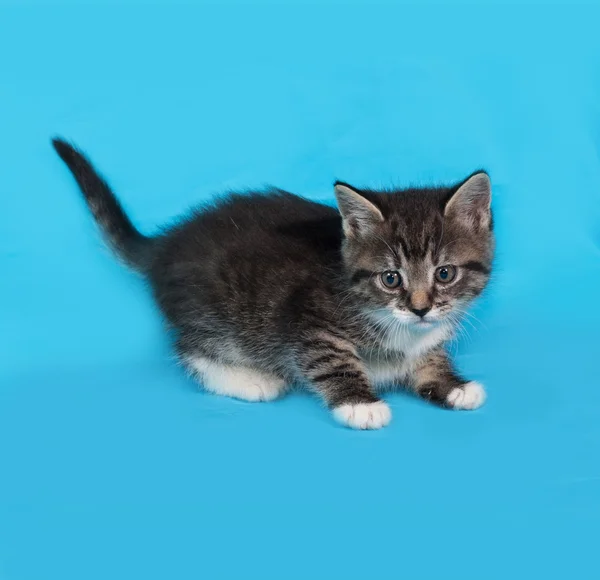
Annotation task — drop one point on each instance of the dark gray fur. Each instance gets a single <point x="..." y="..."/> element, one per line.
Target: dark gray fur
<point x="269" y="281"/>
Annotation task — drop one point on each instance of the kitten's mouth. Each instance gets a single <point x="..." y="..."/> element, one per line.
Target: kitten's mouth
<point x="413" y="321"/>
<point x="424" y="323"/>
<point x="429" y="321"/>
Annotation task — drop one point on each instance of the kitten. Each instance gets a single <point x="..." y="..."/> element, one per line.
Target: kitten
<point x="269" y="289"/>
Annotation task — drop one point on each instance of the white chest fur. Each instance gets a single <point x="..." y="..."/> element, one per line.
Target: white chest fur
<point x="413" y="343"/>
<point x="399" y="351"/>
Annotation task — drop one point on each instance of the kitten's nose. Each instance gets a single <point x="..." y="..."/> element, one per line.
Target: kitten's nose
<point x="421" y="311"/>
<point x="420" y="303"/>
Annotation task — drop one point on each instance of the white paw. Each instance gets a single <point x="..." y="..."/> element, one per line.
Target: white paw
<point x="363" y="415"/>
<point x="469" y="396"/>
<point x="259" y="391"/>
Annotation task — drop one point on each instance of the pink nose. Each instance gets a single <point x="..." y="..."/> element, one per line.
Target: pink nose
<point x="420" y="302"/>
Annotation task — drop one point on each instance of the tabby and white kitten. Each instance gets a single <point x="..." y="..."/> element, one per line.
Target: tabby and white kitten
<point x="266" y="290"/>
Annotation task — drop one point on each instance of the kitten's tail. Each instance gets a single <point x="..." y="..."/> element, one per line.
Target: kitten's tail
<point x="123" y="237"/>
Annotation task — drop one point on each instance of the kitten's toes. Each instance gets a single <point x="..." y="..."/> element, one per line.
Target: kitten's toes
<point x="363" y="415"/>
<point x="469" y="396"/>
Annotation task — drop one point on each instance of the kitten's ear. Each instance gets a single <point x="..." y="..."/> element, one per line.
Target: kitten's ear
<point x="471" y="202"/>
<point x="359" y="215"/>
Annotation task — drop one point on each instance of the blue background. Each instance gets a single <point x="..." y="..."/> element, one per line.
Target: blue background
<point x="114" y="465"/>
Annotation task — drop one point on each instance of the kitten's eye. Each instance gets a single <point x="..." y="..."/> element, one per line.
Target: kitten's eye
<point x="445" y="274"/>
<point x="391" y="279"/>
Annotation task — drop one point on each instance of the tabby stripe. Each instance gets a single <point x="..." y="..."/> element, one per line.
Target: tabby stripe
<point x="325" y="358"/>
<point x="476" y="267"/>
<point x="322" y="360"/>
<point x="337" y="375"/>
<point x="343" y="367"/>
<point x="360" y="275"/>
<point x="317" y="344"/>
<point x="322" y="325"/>
<point x="405" y="249"/>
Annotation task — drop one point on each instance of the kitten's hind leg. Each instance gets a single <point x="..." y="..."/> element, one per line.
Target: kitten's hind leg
<point x="236" y="381"/>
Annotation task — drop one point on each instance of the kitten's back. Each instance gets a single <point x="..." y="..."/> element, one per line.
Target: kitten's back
<point x="246" y="251"/>
<point x="275" y="223"/>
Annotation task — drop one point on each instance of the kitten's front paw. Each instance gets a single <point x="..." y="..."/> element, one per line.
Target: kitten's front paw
<point x="469" y="396"/>
<point x="363" y="415"/>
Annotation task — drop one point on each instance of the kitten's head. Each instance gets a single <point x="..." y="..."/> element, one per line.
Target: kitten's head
<point x="418" y="255"/>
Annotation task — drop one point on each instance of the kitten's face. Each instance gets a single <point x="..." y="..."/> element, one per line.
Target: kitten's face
<point x="418" y="257"/>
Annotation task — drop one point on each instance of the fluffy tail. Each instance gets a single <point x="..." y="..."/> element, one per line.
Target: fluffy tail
<point x="127" y="242"/>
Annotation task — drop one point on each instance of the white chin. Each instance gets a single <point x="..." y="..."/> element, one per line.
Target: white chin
<point x="424" y="323"/>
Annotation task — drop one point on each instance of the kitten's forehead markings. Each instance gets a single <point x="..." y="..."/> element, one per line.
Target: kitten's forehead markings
<point x="391" y="263"/>
<point x="431" y="249"/>
<point x="401" y="251"/>
<point x="395" y="255"/>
